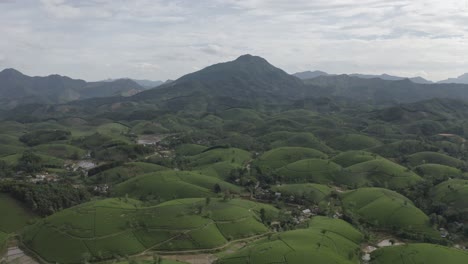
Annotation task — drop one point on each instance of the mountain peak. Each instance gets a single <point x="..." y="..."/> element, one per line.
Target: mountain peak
<point x="250" y="58"/>
<point x="11" y="72"/>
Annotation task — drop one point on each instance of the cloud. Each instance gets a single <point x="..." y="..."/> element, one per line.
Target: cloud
<point x="161" y="39"/>
<point x="60" y="9"/>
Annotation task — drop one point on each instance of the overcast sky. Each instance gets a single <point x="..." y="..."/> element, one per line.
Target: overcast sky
<point x="164" y="39"/>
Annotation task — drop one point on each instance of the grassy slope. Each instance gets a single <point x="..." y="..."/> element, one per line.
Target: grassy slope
<point x="353" y="142"/>
<point x="419" y="253"/>
<point x="309" y="191"/>
<point x="326" y="241"/>
<point x="167" y="185"/>
<point x="310" y="170"/>
<point x="279" y="157"/>
<point x="15" y="215"/>
<point x="383" y="208"/>
<point x="379" y="172"/>
<point x="108" y="228"/>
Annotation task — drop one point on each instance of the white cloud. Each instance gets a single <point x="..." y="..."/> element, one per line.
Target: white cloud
<point x="160" y="39"/>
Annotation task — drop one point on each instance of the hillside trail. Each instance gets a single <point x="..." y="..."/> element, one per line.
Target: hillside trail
<point x="15" y="255"/>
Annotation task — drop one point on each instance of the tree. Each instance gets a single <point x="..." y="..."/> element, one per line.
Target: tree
<point x="217" y="188"/>
<point x="29" y="162"/>
<point x="262" y="215"/>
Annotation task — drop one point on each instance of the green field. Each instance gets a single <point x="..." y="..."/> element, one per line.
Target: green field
<point x="383" y="208"/>
<point x="325" y="241"/>
<point x="16" y="215"/>
<point x="110" y="228"/>
<point x="419" y="253"/>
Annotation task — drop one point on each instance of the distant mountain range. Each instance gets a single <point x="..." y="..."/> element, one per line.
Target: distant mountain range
<point x="17" y="88"/>
<point x="147" y="84"/>
<point x="248" y="80"/>
<point x="314" y="74"/>
<point x="460" y="79"/>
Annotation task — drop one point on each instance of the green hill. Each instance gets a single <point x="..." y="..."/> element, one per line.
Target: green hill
<point x="111" y="228"/>
<point x="435" y="158"/>
<point x="124" y="172"/>
<point x="62" y="151"/>
<point x="15" y="215"/>
<point x="353" y="142"/>
<point x="437" y="172"/>
<point x="419" y="253"/>
<point x="402" y="147"/>
<point x="309" y="170"/>
<point x="189" y="149"/>
<point x="294" y="139"/>
<point x="326" y="241"/>
<point x="454" y="194"/>
<point x="279" y="157"/>
<point x="349" y="158"/>
<point x="383" y="208"/>
<point x="379" y="173"/>
<point x="310" y="192"/>
<point x="167" y="185"/>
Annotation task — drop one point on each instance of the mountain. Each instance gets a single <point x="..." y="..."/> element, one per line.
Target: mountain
<point x="391" y="78"/>
<point x="379" y="91"/>
<point x="248" y="78"/>
<point x="309" y="74"/>
<point x="17" y="88"/>
<point x="460" y="79"/>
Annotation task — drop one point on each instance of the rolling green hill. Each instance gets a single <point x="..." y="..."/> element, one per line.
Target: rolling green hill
<point x="124" y="172"/>
<point x="418" y="253"/>
<point x="383" y="208"/>
<point x="15" y="215"/>
<point x="310" y="170"/>
<point x="435" y="158"/>
<point x="279" y="157"/>
<point x="310" y="192"/>
<point x="352" y="157"/>
<point x="454" y="194"/>
<point x="326" y="241"/>
<point x="380" y="173"/>
<point x="167" y="185"/>
<point x="110" y="228"/>
<point x="353" y="142"/>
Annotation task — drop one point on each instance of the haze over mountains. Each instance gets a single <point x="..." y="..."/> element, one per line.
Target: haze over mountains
<point x="17" y="88"/>
<point x="313" y="74"/>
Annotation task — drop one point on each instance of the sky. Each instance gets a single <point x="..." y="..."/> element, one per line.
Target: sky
<point x="165" y="39"/>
